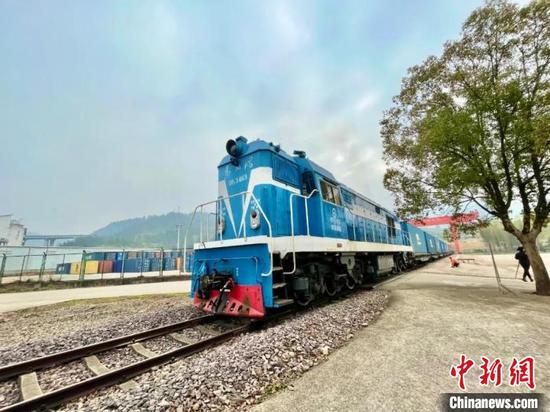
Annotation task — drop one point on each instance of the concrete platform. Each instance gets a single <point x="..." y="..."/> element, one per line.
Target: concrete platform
<point x="436" y="313"/>
<point x="22" y="300"/>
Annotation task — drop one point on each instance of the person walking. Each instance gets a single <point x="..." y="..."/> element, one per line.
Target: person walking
<point x="523" y="259"/>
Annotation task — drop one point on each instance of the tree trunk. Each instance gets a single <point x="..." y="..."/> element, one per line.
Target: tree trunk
<point x="542" y="281"/>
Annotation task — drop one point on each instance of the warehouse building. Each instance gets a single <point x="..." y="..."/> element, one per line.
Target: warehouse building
<point x="12" y="232"/>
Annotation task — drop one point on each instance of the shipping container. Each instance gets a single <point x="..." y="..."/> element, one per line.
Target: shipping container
<point x="130" y="266"/>
<point x="117" y="267"/>
<point x="430" y="243"/>
<point x="143" y="265"/>
<point x="170" y="263"/>
<point x="95" y="256"/>
<point x="120" y="255"/>
<point x="63" y="268"/>
<point x="155" y="265"/>
<point x="75" y="268"/>
<point x="91" y="266"/>
<point x="179" y="262"/>
<point x="417" y="238"/>
<point x="189" y="263"/>
<point x="105" y="266"/>
<point x="110" y="256"/>
<point x="132" y="255"/>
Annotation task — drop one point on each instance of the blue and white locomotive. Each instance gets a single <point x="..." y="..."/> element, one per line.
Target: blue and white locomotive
<point x="286" y="231"/>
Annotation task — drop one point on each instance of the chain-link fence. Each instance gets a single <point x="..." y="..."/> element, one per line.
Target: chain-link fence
<point x="81" y="265"/>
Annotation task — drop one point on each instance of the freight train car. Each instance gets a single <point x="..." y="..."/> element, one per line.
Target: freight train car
<point x="287" y="231"/>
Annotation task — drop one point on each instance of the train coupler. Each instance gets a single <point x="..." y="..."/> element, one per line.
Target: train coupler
<point x="230" y="299"/>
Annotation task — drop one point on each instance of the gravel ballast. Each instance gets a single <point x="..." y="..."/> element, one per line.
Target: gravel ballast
<point x="9" y="393"/>
<point x="69" y="326"/>
<point x="119" y="358"/>
<point x="162" y="344"/>
<point x="239" y="373"/>
<point x="63" y="375"/>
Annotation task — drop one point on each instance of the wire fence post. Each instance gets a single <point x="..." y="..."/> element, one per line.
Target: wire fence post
<point x="2" y="267"/>
<point x="28" y="259"/>
<point x="63" y="266"/>
<point x="22" y="267"/>
<point x="161" y="261"/>
<point x="122" y="265"/>
<point x="42" y="266"/>
<point x="82" y="267"/>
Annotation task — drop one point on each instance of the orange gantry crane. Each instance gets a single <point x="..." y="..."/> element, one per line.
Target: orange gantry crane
<point x="452" y="221"/>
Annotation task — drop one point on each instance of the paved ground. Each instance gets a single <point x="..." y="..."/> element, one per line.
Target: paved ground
<point x="402" y="362"/>
<point x="21" y="300"/>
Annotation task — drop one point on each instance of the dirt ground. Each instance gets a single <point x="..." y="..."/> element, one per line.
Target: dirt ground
<point x="435" y="314"/>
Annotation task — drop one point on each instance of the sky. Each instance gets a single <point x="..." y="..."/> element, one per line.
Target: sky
<point x="119" y="109"/>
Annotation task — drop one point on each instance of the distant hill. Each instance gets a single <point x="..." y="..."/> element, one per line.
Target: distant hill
<point x="148" y="231"/>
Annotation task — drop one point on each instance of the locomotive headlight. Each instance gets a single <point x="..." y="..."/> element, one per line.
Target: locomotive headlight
<point x="254" y="219"/>
<point x="221" y="225"/>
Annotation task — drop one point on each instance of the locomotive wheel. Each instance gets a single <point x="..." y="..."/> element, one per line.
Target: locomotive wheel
<point x="331" y="288"/>
<point x="350" y="283"/>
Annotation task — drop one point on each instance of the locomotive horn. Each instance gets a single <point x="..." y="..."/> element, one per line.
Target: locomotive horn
<point x="236" y="147"/>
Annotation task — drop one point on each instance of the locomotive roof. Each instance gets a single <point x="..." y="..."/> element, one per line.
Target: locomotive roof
<point x="262" y="145"/>
<point x="259" y="145"/>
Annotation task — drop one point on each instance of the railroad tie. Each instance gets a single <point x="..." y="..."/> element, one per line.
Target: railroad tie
<point x="29" y="386"/>
<point x="143" y="351"/>
<point x="181" y="339"/>
<point x="95" y="365"/>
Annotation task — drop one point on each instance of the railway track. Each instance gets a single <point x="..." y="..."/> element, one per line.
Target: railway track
<point x="34" y="399"/>
<point x="105" y="377"/>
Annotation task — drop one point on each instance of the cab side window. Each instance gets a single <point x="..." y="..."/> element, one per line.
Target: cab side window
<point x="330" y="193"/>
<point x="336" y="195"/>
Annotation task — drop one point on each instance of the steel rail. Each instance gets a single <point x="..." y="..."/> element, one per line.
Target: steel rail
<point x="35" y="364"/>
<point x="67" y="393"/>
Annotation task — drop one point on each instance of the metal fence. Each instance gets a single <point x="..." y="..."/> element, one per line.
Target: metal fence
<point x="62" y="264"/>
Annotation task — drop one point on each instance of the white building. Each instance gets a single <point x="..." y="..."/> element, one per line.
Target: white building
<point x="12" y="232"/>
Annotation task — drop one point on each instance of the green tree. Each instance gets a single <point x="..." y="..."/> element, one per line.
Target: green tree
<point x="471" y="127"/>
<point x="447" y="235"/>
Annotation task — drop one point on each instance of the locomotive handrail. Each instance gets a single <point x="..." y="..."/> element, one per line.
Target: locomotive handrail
<point x="242" y="194"/>
<point x="306" y="198"/>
